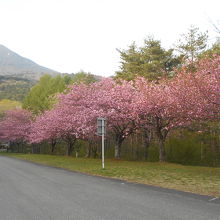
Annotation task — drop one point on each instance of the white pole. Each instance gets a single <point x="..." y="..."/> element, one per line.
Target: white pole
<point x="103" y="144"/>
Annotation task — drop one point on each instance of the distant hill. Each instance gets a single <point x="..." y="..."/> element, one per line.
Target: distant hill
<point x="12" y="64"/>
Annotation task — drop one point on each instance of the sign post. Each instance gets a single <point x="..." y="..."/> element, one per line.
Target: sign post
<point x="101" y="131"/>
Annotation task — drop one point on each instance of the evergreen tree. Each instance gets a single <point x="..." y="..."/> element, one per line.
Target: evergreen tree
<point x="214" y="50"/>
<point x="150" y="61"/>
<point x="192" y="44"/>
<point x="83" y="77"/>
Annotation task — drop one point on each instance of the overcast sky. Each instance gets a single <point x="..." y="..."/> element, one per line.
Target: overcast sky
<point x="70" y="35"/>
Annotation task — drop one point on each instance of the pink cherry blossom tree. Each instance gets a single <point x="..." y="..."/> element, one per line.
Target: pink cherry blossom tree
<point x="207" y="80"/>
<point x="15" y="126"/>
<point x="67" y="121"/>
<point x="102" y="99"/>
<point x="53" y="125"/>
<point x="159" y="109"/>
<point x="42" y="131"/>
<point x="115" y="102"/>
<point x="190" y="96"/>
<point x="198" y="90"/>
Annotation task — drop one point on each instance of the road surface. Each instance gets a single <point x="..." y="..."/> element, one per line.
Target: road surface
<point x="35" y="192"/>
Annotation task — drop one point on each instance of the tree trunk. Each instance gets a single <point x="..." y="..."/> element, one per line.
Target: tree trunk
<point x="118" y="144"/>
<point x="146" y="142"/>
<point x="53" y="144"/>
<point x="88" y="152"/>
<point x="33" y="148"/>
<point x="117" y="151"/>
<point x="161" y="133"/>
<point x="162" y="153"/>
<point x="94" y="152"/>
<point x="18" y="148"/>
<point x="69" y="148"/>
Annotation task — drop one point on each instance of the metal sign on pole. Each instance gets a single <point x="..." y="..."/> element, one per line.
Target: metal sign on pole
<point x="101" y="131"/>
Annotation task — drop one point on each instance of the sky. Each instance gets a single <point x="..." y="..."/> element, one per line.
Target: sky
<point x="73" y="35"/>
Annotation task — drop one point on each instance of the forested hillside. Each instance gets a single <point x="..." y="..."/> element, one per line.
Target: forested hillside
<point x="14" y="88"/>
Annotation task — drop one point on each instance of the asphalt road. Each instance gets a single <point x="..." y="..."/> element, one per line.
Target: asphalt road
<point x="35" y="192"/>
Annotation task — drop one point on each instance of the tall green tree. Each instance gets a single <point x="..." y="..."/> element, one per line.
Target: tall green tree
<point x="214" y="50"/>
<point x="83" y="77"/>
<point x="41" y="96"/>
<point x="67" y="78"/>
<point x="192" y="44"/>
<point x="150" y="61"/>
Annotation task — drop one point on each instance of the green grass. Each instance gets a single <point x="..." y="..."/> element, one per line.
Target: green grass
<point x="201" y="180"/>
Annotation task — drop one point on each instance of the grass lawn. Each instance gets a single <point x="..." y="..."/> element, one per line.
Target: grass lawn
<point x="201" y="180"/>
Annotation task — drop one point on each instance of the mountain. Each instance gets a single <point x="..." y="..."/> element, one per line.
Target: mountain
<point x="12" y="64"/>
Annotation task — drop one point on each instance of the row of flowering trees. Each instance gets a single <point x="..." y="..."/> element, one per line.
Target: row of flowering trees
<point x="140" y="105"/>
